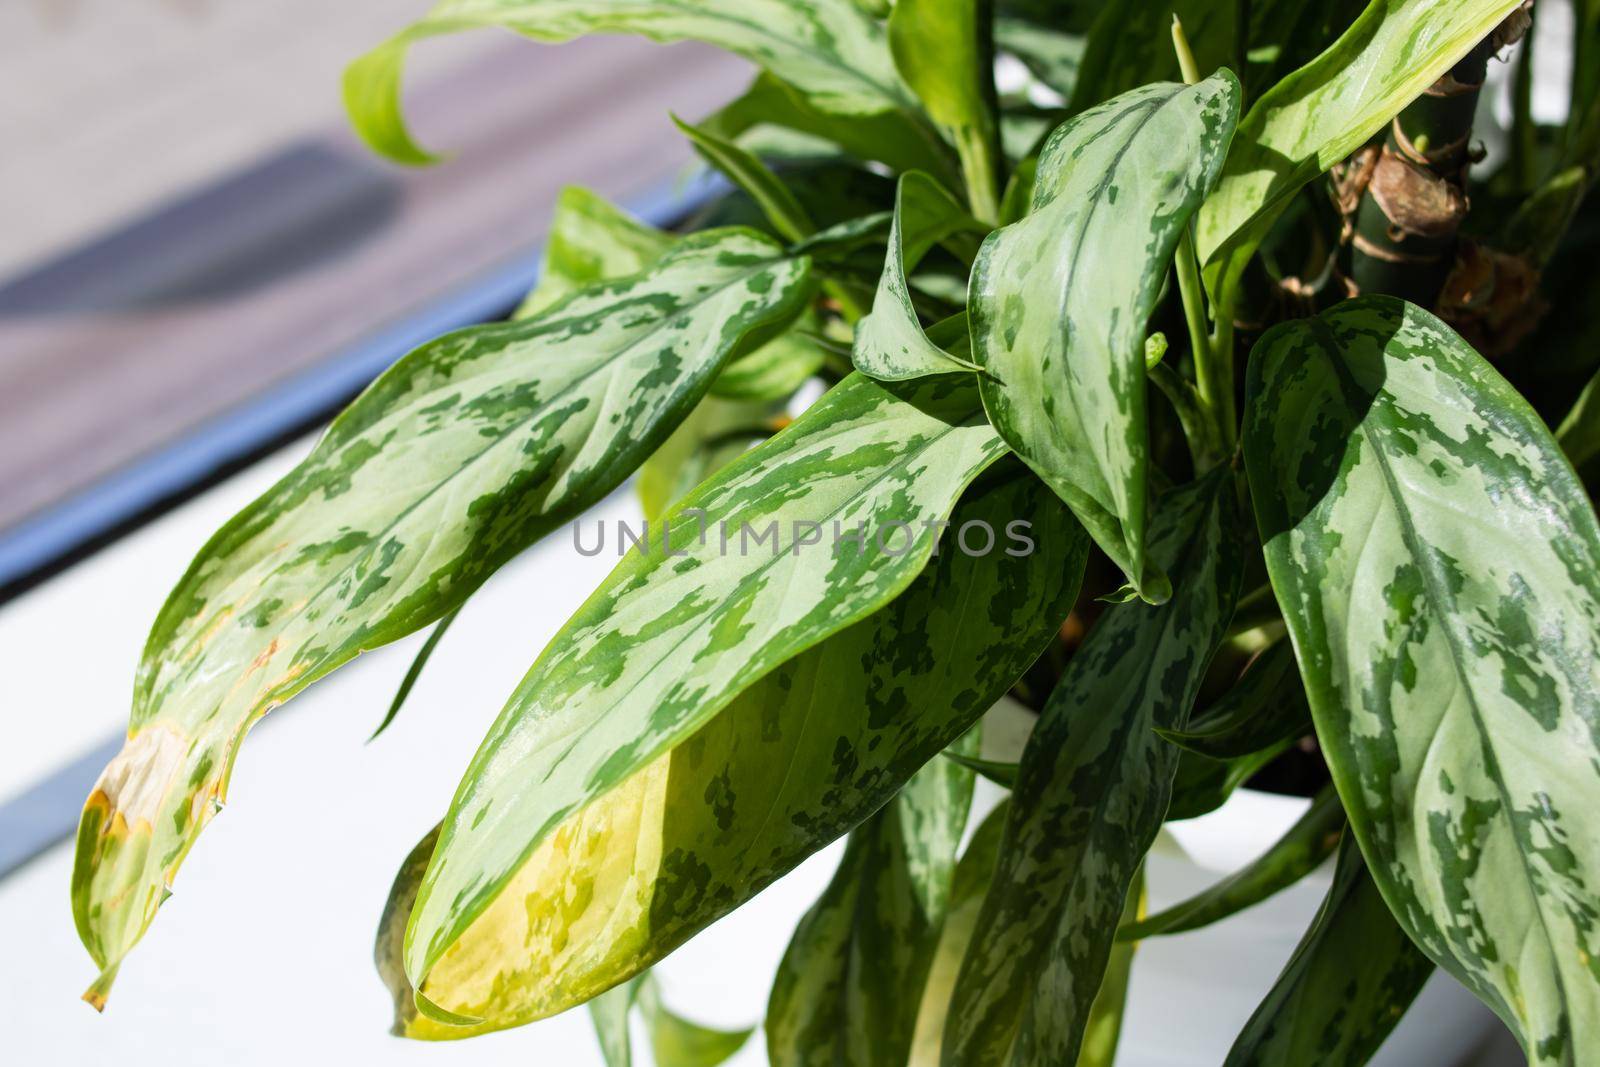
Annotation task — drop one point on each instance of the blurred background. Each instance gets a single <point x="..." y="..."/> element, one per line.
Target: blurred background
<point x="198" y="265"/>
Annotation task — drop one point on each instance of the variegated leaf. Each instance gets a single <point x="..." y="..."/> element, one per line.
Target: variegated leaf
<point x="827" y="49"/>
<point x="1350" y="980"/>
<point x="890" y="343"/>
<point x="1102" y="1034"/>
<point x="1436" y="562"/>
<point x="715" y="434"/>
<point x="801" y="756"/>
<point x="1059" y="300"/>
<point x="1296" y="854"/>
<point x="591" y="240"/>
<point x="679" y="629"/>
<point x="456" y="459"/>
<point x="1327" y="109"/>
<point x="840" y="995"/>
<point x="1091" y="795"/>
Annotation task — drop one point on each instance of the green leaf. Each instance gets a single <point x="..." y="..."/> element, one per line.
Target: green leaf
<point x="609" y="1013"/>
<point x="827" y="49"/>
<point x="1327" y="109"/>
<point x="1050" y="55"/>
<point x="840" y="993"/>
<point x="1350" y="980"/>
<point x="678" y="1042"/>
<point x="414" y="672"/>
<point x="679" y="630"/>
<point x="1265" y="708"/>
<point x="1091" y="796"/>
<point x="591" y="240"/>
<point x="1579" y="432"/>
<point x="999" y="772"/>
<point x="1435" y="559"/>
<point x="465" y="452"/>
<point x="1202" y="784"/>
<point x="789" y="220"/>
<point x="1296" y="854"/>
<point x="1130" y="45"/>
<point x="945" y="51"/>
<point x="1103" y="1032"/>
<point x="890" y="343"/>
<point x="1060" y="300"/>
<point x="801" y="756"/>
<point x="968" y="885"/>
<point x="894" y="138"/>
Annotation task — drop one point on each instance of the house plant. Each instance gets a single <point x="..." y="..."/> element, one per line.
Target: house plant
<point x="1070" y="350"/>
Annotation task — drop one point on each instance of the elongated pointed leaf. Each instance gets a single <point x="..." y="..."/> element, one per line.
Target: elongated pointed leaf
<point x="1436" y="562"/>
<point x="1264" y="709"/>
<point x="890" y="343"/>
<point x="945" y="51"/>
<point x="1348" y="983"/>
<point x="1327" y="109"/>
<point x="893" y="137"/>
<point x="463" y="454"/>
<point x="968" y="886"/>
<point x="1296" y="854"/>
<point x="840" y="995"/>
<point x="827" y="49"/>
<point x="1059" y="301"/>
<point x="678" y="631"/>
<point x="788" y="218"/>
<point x="1130" y="44"/>
<point x="415" y="671"/>
<point x="1202" y="784"/>
<point x="800" y="757"/>
<point x="679" y="1042"/>
<point x="591" y="240"/>
<point x="1103" y="1032"/>
<point x="1091" y="796"/>
<point x="610" y="1012"/>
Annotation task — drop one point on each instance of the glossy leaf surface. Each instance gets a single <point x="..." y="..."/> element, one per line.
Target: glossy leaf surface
<point x="1436" y="561"/>
<point x="1265" y="708"/>
<point x="1327" y="109"/>
<point x="1091" y="795"/>
<point x="1059" y="300"/>
<point x="890" y="343"/>
<point x="798" y="758"/>
<point x="676" y="632"/>
<point x="464" y="453"/>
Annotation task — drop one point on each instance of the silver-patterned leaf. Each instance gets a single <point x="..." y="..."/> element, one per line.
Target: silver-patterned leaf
<point x="1059" y="301"/>
<point x="792" y="542"/>
<point x="1436" y="562"/>
<point x="800" y="757"/>
<point x="1091" y="795"/>
<point x="890" y="343"/>
<point x="464" y="453"/>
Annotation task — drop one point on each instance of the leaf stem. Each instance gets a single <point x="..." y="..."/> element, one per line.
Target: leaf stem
<point x="1213" y="355"/>
<point x="1525" y="134"/>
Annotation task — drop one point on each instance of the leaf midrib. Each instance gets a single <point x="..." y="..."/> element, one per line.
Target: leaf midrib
<point x="1437" y="589"/>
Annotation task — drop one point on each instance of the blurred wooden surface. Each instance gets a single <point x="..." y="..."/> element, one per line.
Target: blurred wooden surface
<point x="120" y="345"/>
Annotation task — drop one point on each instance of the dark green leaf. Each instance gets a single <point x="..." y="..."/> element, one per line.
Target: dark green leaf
<point x="1059" y="301"/>
<point x="1091" y="796"/>
<point x="1296" y="854"/>
<point x="1263" y="710"/>
<point x="1348" y="983"/>
<point x="414" y="672"/>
